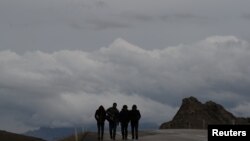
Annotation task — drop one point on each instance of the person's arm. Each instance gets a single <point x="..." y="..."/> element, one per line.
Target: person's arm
<point x="117" y="116"/>
<point x="139" y="115"/>
<point x="96" y="115"/>
<point x="120" y="116"/>
<point x="107" y="114"/>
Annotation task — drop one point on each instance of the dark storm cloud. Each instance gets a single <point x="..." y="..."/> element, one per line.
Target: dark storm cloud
<point x="246" y="16"/>
<point x="187" y="17"/>
<point x="138" y="16"/>
<point x="163" y="17"/>
<point x="102" y="24"/>
<point x="52" y="25"/>
<point x="101" y="3"/>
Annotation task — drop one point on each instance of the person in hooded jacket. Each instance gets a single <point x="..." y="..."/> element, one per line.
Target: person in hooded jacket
<point x="100" y="116"/>
<point x="112" y="115"/>
<point x="124" y="119"/>
<point x="134" y="118"/>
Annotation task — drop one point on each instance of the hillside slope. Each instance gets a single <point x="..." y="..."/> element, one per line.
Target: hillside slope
<point x="7" y="136"/>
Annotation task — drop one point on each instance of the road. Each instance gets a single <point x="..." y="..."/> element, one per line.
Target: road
<point x="160" y="135"/>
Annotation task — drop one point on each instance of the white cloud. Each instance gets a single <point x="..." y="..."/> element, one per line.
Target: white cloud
<point x="65" y="87"/>
<point x="243" y="109"/>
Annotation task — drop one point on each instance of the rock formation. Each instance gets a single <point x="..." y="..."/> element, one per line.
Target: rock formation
<point x="195" y="115"/>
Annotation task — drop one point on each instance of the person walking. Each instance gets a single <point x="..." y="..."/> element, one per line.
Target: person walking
<point x="112" y="115"/>
<point x="134" y="117"/>
<point x="100" y="116"/>
<point x="124" y="119"/>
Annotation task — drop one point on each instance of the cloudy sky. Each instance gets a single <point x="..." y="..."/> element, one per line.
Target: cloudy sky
<point x="61" y="59"/>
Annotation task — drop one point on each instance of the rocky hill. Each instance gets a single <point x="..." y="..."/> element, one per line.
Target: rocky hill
<point x="7" y="136"/>
<point x="196" y="115"/>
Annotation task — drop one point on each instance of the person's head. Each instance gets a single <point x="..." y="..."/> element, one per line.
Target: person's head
<point x="101" y="108"/>
<point x="134" y="107"/>
<point x="114" y="105"/>
<point x="125" y="107"/>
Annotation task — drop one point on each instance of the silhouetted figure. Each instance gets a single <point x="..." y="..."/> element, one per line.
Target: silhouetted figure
<point x="134" y="117"/>
<point x="100" y="116"/>
<point x="124" y="119"/>
<point x="113" y="118"/>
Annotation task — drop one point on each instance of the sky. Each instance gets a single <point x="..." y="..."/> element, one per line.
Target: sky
<point x="61" y="59"/>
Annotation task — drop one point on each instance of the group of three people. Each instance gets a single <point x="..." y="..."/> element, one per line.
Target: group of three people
<point x="113" y="116"/>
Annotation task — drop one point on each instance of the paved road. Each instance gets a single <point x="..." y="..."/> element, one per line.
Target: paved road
<point x="161" y="135"/>
<point x="177" y="135"/>
<point x="90" y="136"/>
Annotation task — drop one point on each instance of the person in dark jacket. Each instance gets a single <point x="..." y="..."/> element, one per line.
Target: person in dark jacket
<point x="112" y="115"/>
<point x="100" y="116"/>
<point x="124" y="119"/>
<point x="134" y="117"/>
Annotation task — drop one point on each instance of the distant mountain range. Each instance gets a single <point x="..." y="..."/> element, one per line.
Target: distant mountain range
<point x="196" y="115"/>
<point x="8" y="136"/>
<point x="53" y="134"/>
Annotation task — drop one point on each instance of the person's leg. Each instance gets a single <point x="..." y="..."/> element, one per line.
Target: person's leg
<point x="136" y="130"/>
<point x="132" y="130"/>
<point x="102" y="130"/>
<point x="98" y="127"/>
<point x="114" y="130"/>
<point x="110" y="129"/>
<point x="122" y="130"/>
<point x="126" y="131"/>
